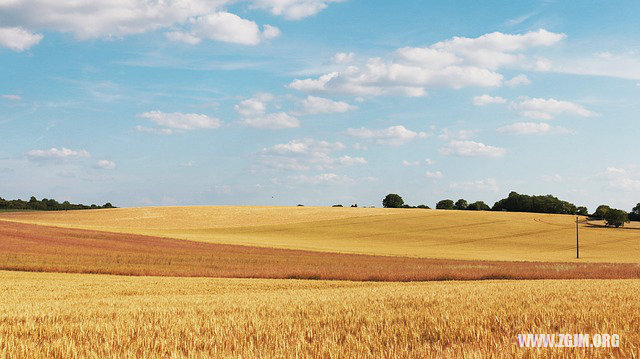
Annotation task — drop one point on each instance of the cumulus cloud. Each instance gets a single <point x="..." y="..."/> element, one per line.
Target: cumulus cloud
<point x="306" y="154"/>
<point x="472" y="149"/>
<point x="176" y="121"/>
<point x="527" y="128"/>
<point x="518" y="80"/>
<point x="484" y="100"/>
<point x="316" y="105"/>
<point x="488" y="184"/>
<point x="106" y="164"/>
<point x="434" y="175"/>
<point x="343" y="57"/>
<point x="17" y="38"/>
<point x="194" y="20"/>
<point x="57" y="154"/>
<point x="254" y="114"/>
<point x="393" y="136"/>
<point x="622" y="179"/>
<point x="273" y="121"/>
<point x="455" y="63"/>
<point x="256" y="105"/>
<point x="547" y="109"/>
<point x="293" y="9"/>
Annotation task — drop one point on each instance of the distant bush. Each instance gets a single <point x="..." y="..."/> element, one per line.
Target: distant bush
<point x="461" y="204"/>
<point x="337" y="205"/>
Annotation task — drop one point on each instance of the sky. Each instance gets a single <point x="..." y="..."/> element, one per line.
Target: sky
<point x="319" y="102"/>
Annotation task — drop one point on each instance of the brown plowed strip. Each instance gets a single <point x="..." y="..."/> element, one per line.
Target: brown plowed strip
<point x="51" y="249"/>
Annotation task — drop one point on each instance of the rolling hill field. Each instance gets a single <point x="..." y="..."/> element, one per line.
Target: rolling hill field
<point x="461" y="235"/>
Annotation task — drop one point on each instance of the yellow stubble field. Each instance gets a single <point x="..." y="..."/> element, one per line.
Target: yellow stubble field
<point x="468" y="235"/>
<point x="83" y="315"/>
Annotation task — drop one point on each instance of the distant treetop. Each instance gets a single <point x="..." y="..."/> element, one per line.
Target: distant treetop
<point x="46" y="205"/>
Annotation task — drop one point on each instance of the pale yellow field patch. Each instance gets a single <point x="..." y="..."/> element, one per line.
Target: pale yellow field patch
<point x="470" y="235"/>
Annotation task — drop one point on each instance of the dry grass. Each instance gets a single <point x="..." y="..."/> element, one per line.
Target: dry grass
<point x="50" y="249"/>
<point x="75" y="315"/>
<point x="465" y="235"/>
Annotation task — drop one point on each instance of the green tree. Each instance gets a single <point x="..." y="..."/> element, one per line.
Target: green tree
<point x="392" y="200"/>
<point x="461" y="204"/>
<point x="582" y="211"/>
<point x="635" y="213"/>
<point x="445" y="204"/>
<point x="601" y="211"/>
<point x="478" y="206"/>
<point x="616" y="217"/>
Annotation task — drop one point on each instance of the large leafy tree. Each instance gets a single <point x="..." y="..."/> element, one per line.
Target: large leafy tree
<point x="478" y="206"/>
<point x="461" y="204"/>
<point x="616" y="217"/>
<point x="635" y="213"/>
<point x="445" y="204"/>
<point x="392" y="200"/>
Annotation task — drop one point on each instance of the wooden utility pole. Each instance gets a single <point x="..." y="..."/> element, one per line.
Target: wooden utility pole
<point x="577" y="240"/>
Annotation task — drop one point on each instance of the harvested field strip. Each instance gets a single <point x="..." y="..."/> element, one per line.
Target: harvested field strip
<point x="50" y="249"/>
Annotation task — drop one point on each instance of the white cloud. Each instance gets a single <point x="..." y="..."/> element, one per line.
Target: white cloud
<point x="12" y="97"/>
<point x="276" y="120"/>
<point x="526" y="128"/>
<point x="455" y="63"/>
<point x="516" y="81"/>
<point x="57" y="154"/>
<point x="434" y="175"/>
<point x="178" y="121"/>
<point x="410" y="163"/>
<point x="429" y="161"/>
<point x="256" y="105"/>
<point x="293" y="9"/>
<point x="190" y="21"/>
<point x="484" y="100"/>
<point x="394" y="135"/>
<point x="343" y="57"/>
<point x="622" y="179"/>
<point x="446" y="135"/>
<point x="488" y="184"/>
<point x="228" y="27"/>
<point x="180" y="36"/>
<point x="546" y="109"/>
<point x="615" y="170"/>
<point x="17" y="38"/>
<point x="318" y="105"/>
<point x="306" y="154"/>
<point x="618" y="65"/>
<point x="472" y="149"/>
<point x="106" y="164"/>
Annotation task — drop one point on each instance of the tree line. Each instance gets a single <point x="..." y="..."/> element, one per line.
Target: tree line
<point x="516" y="202"/>
<point x="46" y="205"/>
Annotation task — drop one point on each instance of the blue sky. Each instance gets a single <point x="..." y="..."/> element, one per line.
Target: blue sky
<point x="280" y="102"/>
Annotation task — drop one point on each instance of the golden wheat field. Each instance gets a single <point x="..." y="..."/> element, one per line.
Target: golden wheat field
<point x="81" y="315"/>
<point x="466" y="235"/>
